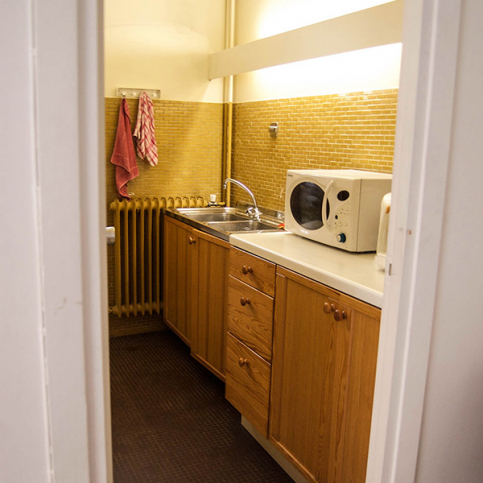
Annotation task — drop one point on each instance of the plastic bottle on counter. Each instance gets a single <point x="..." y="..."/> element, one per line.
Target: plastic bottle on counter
<point x="381" y="250"/>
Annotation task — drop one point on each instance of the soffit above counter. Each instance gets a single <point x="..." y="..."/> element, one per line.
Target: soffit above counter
<point x="373" y="27"/>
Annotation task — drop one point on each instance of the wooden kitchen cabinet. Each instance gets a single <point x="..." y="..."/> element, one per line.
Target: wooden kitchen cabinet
<point x="251" y="286"/>
<point x="250" y="317"/>
<point x="248" y="383"/>
<point x="208" y="341"/>
<point x="180" y="294"/>
<point x="300" y="356"/>
<point x="195" y="276"/>
<point x="252" y="270"/>
<point x="323" y="376"/>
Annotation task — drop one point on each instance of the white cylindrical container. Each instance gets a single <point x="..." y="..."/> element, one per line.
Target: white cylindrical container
<point x="380" y="259"/>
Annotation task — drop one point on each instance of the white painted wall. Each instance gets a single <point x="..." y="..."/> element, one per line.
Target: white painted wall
<point x="164" y="44"/>
<point x="258" y="19"/>
<point x="452" y="428"/>
<point x="362" y="70"/>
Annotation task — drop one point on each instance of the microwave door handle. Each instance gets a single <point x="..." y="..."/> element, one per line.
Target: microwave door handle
<point x="326" y="220"/>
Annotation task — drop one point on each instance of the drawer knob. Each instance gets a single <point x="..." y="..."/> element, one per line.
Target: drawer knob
<point x="244" y="301"/>
<point x="243" y="362"/>
<point x="191" y="240"/>
<point x="246" y="269"/>
<point x="340" y="314"/>
<point x="327" y="308"/>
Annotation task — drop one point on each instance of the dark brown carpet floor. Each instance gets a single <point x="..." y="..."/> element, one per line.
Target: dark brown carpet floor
<point x="171" y="422"/>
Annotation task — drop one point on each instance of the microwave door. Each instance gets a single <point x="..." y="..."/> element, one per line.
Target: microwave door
<point x="326" y="216"/>
<point x="306" y="203"/>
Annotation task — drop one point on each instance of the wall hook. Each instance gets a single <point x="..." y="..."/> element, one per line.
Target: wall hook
<point x="273" y="129"/>
<point x="134" y="93"/>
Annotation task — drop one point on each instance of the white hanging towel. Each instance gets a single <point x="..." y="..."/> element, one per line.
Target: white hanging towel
<point x="144" y="132"/>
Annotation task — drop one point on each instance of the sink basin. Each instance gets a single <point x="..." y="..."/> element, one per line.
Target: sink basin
<point x="242" y="226"/>
<point x="223" y="221"/>
<point x="207" y="217"/>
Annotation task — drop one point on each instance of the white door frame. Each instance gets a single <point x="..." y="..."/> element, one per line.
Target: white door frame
<point x="93" y="223"/>
<point x="67" y="67"/>
<point x="425" y="107"/>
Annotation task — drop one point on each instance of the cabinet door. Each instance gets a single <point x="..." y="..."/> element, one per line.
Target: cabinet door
<point x="360" y="396"/>
<point x="323" y="375"/>
<point x="209" y="324"/>
<point x="309" y="377"/>
<point x="180" y="260"/>
<point x="248" y="383"/>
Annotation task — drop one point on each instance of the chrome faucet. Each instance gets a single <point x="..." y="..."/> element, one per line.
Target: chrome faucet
<point x="253" y="211"/>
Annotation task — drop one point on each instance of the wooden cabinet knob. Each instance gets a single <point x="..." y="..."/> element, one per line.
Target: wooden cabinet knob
<point x="243" y="362"/>
<point x="244" y="301"/>
<point x="191" y="240"/>
<point x="246" y="269"/>
<point x="327" y="308"/>
<point x="339" y="315"/>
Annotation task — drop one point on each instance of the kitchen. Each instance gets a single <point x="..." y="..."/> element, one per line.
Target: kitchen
<point x="467" y="18"/>
<point x="319" y="125"/>
<point x="353" y="129"/>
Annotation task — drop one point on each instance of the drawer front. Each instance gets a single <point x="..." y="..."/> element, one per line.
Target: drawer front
<point x="254" y="271"/>
<point x="248" y="383"/>
<point x="250" y="317"/>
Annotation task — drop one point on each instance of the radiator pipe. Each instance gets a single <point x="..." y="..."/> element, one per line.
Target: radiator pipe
<point x="229" y="43"/>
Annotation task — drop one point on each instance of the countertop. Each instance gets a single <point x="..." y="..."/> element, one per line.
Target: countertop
<point x="352" y="273"/>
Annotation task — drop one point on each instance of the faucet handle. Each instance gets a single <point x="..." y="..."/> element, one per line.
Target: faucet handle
<point x="253" y="212"/>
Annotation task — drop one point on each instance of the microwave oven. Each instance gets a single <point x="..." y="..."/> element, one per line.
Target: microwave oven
<point x="336" y="207"/>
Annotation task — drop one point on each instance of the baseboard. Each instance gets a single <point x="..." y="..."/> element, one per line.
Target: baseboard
<point x="119" y="327"/>
<point x="288" y="467"/>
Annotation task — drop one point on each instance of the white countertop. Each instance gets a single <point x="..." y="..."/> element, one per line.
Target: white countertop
<point x="352" y="273"/>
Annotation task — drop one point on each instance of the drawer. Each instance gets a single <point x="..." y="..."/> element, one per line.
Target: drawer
<point x="250" y="317"/>
<point x="254" y="271"/>
<point x="248" y="383"/>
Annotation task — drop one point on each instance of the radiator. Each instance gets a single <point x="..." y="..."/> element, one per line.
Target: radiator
<point x="138" y="252"/>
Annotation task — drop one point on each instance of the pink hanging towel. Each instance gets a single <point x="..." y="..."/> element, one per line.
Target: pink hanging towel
<point x="144" y="131"/>
<point x="123" y="155"/>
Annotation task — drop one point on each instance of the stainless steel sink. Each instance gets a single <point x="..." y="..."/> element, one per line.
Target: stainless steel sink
<point x="223" y="221"/>
<point x="216" y="217"/>
<point x="242" y="226"/>
<point x="213" y="214"/>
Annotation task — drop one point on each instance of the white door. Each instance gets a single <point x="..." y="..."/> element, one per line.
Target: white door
<point x="54" y="404"/>
<point x="427" y="422"/>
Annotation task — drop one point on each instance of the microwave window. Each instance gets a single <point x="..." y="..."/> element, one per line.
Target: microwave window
<point x="306" y="205"/>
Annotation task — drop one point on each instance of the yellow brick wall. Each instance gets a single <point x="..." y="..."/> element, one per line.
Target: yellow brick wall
<point x="337" y="131"/>
<point x="353" y="130"/>
<point x="189" y="139"/>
